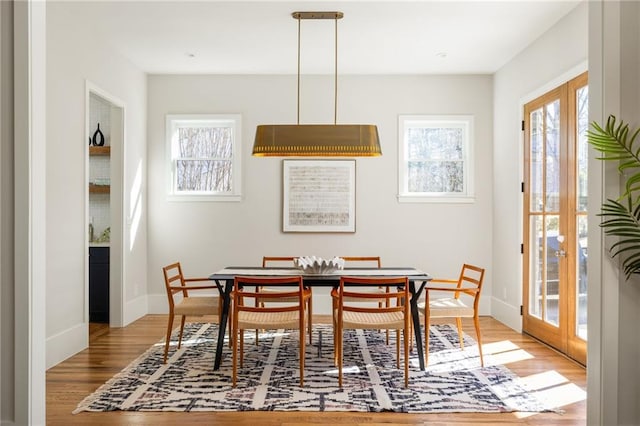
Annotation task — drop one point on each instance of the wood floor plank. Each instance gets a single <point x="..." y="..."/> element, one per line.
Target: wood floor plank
<point x="112" y="349"/>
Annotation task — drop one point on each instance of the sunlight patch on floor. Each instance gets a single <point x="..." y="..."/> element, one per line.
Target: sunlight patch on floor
<point x="563" y="395"/>
<point x="498" y="347"/>
<point x="508" y="357"/>
<point x="554" y="389"/>
<point x="544" y="380"/>
<point x="353" y="369"/>
<point x="504" y="352"/>
<point x="187" y="342"/>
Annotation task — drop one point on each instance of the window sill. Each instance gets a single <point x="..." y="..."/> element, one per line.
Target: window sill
<point x="205" y="198"/>
<point x="436" y="199"/>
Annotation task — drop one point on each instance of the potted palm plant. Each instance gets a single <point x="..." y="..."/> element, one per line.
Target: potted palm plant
<point x="621" y="216"/>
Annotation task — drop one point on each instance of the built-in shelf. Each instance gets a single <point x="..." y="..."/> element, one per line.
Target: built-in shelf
<point x="100" y="150"/>
<point x="99" y="189"/>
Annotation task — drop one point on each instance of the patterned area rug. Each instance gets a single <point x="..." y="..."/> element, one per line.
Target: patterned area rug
<point x="453" y="381"/>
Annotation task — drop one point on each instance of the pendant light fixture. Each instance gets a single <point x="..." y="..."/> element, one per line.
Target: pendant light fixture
<point x="317" y="140"/>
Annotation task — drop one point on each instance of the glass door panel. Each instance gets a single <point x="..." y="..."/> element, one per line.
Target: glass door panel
<point x="578" y="285"/>
<point x="552" y="282"/>
<point x="581" y="276"/>
<point x="552" y="156"/>
<point x="537" y="269"/>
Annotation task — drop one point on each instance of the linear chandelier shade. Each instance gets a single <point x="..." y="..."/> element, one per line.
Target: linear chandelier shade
<point x="317" y="140"/>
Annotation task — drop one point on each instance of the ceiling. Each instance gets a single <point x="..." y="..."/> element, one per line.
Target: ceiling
<point x="260" y="37"/>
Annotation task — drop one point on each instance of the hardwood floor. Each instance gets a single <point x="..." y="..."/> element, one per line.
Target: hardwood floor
<point x="110" y="350"/>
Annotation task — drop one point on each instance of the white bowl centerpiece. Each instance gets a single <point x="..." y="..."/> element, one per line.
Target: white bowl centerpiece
<point x="313" y="265"/>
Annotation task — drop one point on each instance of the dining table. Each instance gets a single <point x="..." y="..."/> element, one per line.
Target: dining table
<point x="224" y="280"/>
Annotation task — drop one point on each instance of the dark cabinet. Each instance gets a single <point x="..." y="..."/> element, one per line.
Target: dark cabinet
<point x="99" y="284"/>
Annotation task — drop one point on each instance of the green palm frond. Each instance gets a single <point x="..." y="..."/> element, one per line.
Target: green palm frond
<point x="615" y="144"/>
<point x="623" y="221"/>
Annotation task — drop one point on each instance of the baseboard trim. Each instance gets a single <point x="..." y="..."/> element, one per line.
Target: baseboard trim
<point x="66" y="344"/>
<point x="507" y="314"/>
<point x="135" y="309"/>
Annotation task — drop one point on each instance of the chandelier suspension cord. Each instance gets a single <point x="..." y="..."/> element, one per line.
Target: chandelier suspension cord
<point x="335" y="83"/>
<point x="298" y="69"/>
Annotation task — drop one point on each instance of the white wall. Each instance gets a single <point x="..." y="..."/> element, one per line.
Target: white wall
<point x="207" y="236"/>
<point x="554" y="58"/>
<point x="7" y="277"/>
<point x="72" y="59"/>
<point x="614" y="343"/>
<point x="629" y="291"/>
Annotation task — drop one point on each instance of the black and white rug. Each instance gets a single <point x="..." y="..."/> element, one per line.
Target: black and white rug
<point x="454" y="381"/>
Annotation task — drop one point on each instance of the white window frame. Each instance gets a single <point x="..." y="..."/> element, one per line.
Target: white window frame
<point x="436" y="121"/>
<point x="173" y="123"/>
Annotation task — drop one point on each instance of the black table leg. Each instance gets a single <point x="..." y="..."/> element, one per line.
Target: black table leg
<point x="415" y="315"/>
<point x="225" y="295"/>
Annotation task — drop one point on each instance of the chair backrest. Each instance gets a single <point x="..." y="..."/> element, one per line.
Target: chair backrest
<point x="289" y="288"/>
<point x="266" y="260"/>
<point x="357" y="289"/>
<point x="471" y="276"/>
<point x="373" y="259"/>
<point x="173" y="277"/>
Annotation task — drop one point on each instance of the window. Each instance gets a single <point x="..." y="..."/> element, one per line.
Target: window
<point x="435" y="158"/>
<point x="204" y="157"/>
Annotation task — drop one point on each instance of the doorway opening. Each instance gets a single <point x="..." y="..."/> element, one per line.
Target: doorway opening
<point x="104" y="119"/>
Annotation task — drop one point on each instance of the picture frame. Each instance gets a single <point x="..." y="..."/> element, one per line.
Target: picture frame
<point x="319" y="196"/>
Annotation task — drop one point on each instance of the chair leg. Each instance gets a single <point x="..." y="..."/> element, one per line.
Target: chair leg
<point x="476" y="322"/>
<point x="167" y="341"/>
<point x="335" y="331"/>
<point x="302" y="341"/>
<point x="184" y="317"/>
<point x="234" y="357"/>
<point x="310" y="315"/>
<point x="242" y="347"/>
<point x="387" y="304"/>
<point x="406" y="357"/>
<point x="230" y="327"/>
<point x="426" y="340"/>
<point x="397" y="348"/>
<point x="339" y="353"/>
<point x="460" y="338"/>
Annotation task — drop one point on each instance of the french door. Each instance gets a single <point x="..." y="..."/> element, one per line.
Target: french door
<point x="555" y="218"/>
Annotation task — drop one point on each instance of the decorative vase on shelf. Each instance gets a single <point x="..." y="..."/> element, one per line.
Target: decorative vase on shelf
<point x="98" y="137"/>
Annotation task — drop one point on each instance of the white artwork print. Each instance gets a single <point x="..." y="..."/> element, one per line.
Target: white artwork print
<point x="319" y="196"/>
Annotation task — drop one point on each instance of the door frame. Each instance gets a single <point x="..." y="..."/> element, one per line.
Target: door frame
<point x="564" y="78"/>
<point x="539" y="326"/>
<point x="116" y="204"/>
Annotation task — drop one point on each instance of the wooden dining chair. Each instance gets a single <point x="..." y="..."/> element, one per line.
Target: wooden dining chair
<point x="277" y="260"/>
<point x="373" y="260"/>
<point x="287" y="313"/>
<point x="288" y="261"/>
<point x="364" y="261"/>
<point x="181" y="301"/>
<point x="469" y="283"/>
<point x="352" y="314"/>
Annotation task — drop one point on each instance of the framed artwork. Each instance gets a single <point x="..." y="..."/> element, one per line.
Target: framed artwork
<point x="319" y="196"/>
